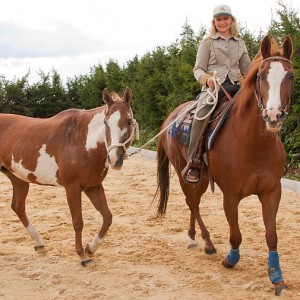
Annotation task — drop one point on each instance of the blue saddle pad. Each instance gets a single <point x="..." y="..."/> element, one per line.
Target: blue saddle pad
<point x="181" y="132"/>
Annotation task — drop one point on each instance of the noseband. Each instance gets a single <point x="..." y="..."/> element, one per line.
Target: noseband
<point x="258" y="78"/>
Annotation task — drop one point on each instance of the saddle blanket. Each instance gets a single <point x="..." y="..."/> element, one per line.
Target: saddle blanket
<point x="181" y="129"/>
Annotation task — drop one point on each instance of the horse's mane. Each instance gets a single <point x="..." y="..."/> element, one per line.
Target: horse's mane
<point x="246" y="93"/>
<point x="115" y="96"/>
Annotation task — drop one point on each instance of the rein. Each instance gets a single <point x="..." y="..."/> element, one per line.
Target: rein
<point x="258" y="78"/>
<point x="226" y="93"/>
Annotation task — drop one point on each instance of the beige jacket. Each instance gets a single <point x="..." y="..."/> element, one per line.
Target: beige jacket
<point x="227" y="57"/>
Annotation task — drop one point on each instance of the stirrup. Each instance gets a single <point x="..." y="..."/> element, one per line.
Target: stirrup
<point x="193" y="175"/>
<point x="192" y="165"/>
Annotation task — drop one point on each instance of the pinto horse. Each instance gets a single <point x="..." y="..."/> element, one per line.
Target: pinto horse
<point x="72" y="149"/>
<point x="247" y="157"/>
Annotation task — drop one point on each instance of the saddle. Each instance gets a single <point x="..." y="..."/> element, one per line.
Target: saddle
<point x="181" y="129"/>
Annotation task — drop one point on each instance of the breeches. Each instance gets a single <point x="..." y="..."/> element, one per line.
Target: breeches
<point x="198" y="128"/>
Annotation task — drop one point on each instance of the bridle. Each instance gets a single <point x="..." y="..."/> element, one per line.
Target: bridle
<point x="258" y="82"/>
<point x="128" y="141"/>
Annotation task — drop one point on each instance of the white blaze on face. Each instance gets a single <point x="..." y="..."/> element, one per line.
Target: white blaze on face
<point x="95" y="132"/>
<point x="115" y="133"/>
<point x="275" y="76"/>
<point x="45" y="171"/>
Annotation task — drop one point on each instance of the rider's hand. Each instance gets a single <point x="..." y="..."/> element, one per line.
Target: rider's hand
<point x="210" y="82"/>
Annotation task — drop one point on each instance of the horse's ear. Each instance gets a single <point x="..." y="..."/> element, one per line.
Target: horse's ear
<point x="287" y="47"/>
<point x="265" y="47"/>
<point x="127" y="95"/>
<point x="107" y="99"/>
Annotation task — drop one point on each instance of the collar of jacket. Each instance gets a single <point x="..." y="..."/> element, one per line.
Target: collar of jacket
<point x="216" y="36"/>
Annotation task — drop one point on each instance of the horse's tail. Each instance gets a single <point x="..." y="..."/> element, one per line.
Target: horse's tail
<point x="163" y="178"/>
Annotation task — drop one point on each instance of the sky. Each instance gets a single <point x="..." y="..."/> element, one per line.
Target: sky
<point x="72" y="36"/>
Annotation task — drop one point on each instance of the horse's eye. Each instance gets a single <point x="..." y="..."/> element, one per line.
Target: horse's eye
<point x="291" y="75"/>
<point x="129" y="122"/>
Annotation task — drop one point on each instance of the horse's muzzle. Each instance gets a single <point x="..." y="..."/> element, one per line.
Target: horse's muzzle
<point x="116" y="160"/>
<point x="274" y="120"/>
<point x="274" y="126"/>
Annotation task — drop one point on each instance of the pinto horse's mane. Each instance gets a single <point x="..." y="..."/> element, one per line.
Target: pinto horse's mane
<point x="247" y="94"/>
<point x="115" y="96"/>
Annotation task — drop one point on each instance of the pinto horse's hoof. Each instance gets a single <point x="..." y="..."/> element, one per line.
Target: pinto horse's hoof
<point x="36" y="248"/>
<point x="192" y="244"/>
<point x="210" y="251"/>
<point x="279" y="287"/>
<point x="84" y="263"/>
<point x="226" y="264"/>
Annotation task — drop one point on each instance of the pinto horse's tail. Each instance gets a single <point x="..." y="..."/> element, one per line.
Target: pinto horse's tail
<point x="163" y="178"/>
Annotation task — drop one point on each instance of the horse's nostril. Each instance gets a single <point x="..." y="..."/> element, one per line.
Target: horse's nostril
<point x="282" y="116"/>
<point x="119" y="162"/>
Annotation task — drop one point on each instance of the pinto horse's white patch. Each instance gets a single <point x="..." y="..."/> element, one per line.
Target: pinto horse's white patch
<point x="19" y="171"/>
<point x="45" y="171"/>
<point x="46" y="168"/>
<point x="95" y="132"/>
<point x="275" y="76"/>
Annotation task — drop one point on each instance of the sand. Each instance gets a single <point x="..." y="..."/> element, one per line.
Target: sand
<point x="142" y="257"/>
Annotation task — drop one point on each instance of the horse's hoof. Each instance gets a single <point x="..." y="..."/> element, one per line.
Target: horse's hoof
<point x="192" y="244"/>
<point x="84" y="263"/>
<point x="210" y="251"/>
<point x="37" y="248"/>
<point x="226" y="264"/>
<point x="279" y="288"/>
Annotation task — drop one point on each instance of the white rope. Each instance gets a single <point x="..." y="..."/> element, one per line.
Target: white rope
<point x="189" y="108"/>
<point x="210" y="98"/>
